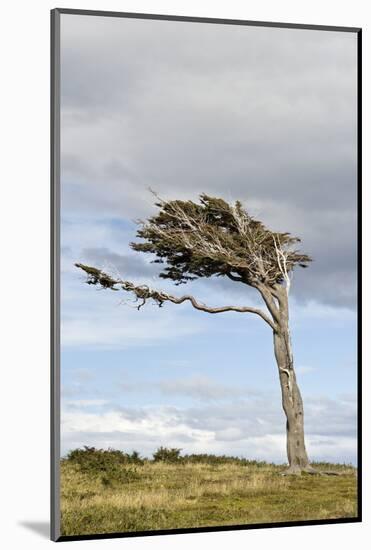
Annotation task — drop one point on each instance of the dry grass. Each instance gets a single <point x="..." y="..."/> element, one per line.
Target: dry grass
<point x="171" y="496"/>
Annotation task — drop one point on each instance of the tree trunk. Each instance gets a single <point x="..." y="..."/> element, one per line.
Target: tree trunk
<point x="291" y="401"/>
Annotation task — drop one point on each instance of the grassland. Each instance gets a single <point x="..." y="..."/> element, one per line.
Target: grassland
<point x="114" y="493"/>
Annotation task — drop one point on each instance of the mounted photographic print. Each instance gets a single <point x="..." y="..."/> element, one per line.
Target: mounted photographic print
<point x="205" y="280"/>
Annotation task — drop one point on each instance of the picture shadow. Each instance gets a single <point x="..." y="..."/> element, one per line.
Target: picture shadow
<point x="42" y="528"/>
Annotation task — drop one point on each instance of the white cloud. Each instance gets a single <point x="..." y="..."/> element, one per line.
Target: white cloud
<point x="305" y="369"/>
<point x="158" y="426"/>
<point x="329" y="448"/>
<point x="82" y="403"/>
<point x="198" y="387"/>
<point x="254" y="428"/>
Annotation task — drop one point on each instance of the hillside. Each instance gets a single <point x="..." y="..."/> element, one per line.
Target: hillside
<point x="109" y="491"/>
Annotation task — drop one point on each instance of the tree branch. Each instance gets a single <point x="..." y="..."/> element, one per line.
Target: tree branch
<point x="202" y="307"/>
<point x="269" y="302"/>
<point x="144" y="293"/>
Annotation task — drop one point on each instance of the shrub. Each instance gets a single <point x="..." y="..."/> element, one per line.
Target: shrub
<point x="90" y="458"/>
<point x="167" y="455"/>
<point x="109" y="465"/>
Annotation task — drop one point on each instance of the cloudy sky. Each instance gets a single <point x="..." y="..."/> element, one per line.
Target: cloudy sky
<point x="264" y="115"/>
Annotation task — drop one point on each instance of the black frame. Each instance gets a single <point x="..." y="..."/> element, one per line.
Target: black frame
<point x="55" y="272"/>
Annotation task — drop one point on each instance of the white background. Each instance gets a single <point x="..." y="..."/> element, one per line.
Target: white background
<point x="24" y="286"/>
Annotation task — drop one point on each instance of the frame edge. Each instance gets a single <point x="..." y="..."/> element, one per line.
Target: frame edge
<point x="54" y="275"/>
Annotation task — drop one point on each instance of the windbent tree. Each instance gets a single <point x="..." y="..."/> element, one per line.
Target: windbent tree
<point x="215" y="238"/>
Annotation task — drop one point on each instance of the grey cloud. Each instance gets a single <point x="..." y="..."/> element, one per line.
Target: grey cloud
<point x="258" y="415"/>
<point x="71" y="390"/>
<point x="83" y="375"/>
<point x="254" y="428"/>
<point x="115" y="437"/>
<point x="142" y="51"/>
<point x="267" y="116"/>
<point x="125" y="264"/>
<point x="214" y="131"/>
<point x="200" y="388"/>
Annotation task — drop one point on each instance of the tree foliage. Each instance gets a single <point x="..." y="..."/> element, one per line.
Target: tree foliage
<point x="213" y="237"/>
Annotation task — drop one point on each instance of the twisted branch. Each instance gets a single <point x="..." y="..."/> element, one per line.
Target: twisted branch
<point x="144" y="293"/>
